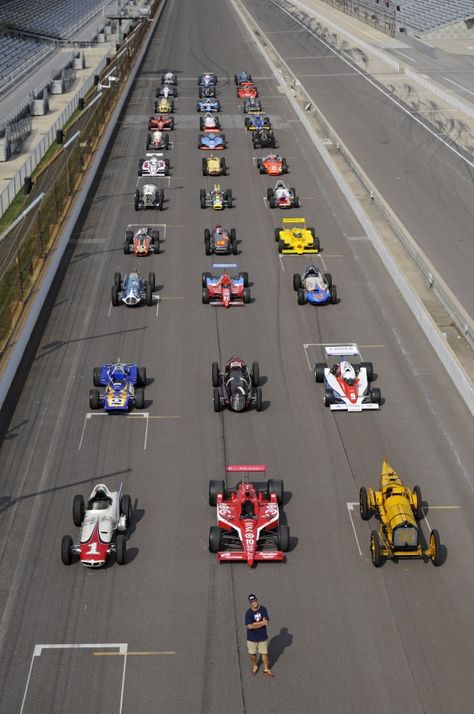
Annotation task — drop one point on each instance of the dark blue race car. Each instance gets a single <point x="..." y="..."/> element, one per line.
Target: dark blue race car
<point x="257" y="121"/>
<point x="314" y="287"/>
<point x="120" y="384"/>
<point x="208" y="105"/>
<point x="242" y="77"/>
<point x="211" y="141"/>
<point x="207" y="79"/>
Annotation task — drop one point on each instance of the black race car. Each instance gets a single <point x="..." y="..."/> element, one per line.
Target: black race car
<point x="262" y="138"/>
<point x="237" y="386"/>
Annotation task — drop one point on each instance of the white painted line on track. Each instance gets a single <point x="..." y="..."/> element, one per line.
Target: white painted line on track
<point x="457" y="85"/>
<point x="280" y="257"/>
<point x="132" y="654"/>
<point x="157" y="305"/>
<point x="110" y="310"/>
<point x="350" y="508"/>
<point x="38" y="649"/>
<point x="385" y="93"/>
<point x="146" y="434"/>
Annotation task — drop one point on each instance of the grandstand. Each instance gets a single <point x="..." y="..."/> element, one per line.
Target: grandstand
<point x="49" y="18"/>
<point x="18" y="55"/>
<point x="431" y="16"/>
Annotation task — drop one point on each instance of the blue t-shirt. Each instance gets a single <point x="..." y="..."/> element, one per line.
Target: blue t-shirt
<point x="251" y="616"/>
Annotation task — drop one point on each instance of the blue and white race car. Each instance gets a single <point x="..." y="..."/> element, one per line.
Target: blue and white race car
<point x="314" y="287"/>
<point x="120" y="384"/>
<point x="242" y="77"/>
<point x="257" y="121"/>
<point x="133" y="289"/>
<point x="208" y="105"/>
<point x="212" y="141"/>
<point x="207" y="79"/>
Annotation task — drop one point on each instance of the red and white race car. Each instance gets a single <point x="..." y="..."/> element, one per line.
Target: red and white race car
<point x="282" y="197"/>
<point x="154" y="165"/>
<point x="209" y="122"/>
<point x="102" y="521"/>
<point x="248" y="517"/>
<point x="347" y="384"/>
<point x="225" y="289"/>
<point x="246" y="90"/>
<point x="273" y="165"/>
<point x="157" y="141"/>
<point x="158" y="122"/>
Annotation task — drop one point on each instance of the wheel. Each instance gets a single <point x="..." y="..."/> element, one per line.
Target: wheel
<point x="149" y="295"/>
<point x="435" y="546"/>
<point x="66" y="550"/>
<point x="364" y="509"/>
<point x="161" y="201"/>
<point x="376" y="396"/>
<point x="155" y="236"/>
<point x="417" y="503"/>
<point x="96" y="372"/>
<point x="205" y="170"/>
<point x="216" y="398"/>
<point x="297" y="282"/>
<point x="216" y="376"/>
<point x="333" y="295"/>
<point x="228" y="194"/>
<point x="120" y="549"/>
<point x="301" y="297"/>
<point x="205" y="296"/>
<point x="293" y="191"/>
<point x="245" y="276"/>
<point x="234" y="247"/>
<point x="115" y="296"/>
<point x="284" y="167"/>
<point x="215" y="488"/>
<point x="259" y="400"/>
<point x="126" y="248"/>
<point x="313" y="232"/>
<point x="246" y="295"/>
<point x="377" y="558"/>
<point x="316" y="244"/>
<point x="277" y="234"/>
<point x="136" y="200"/>
<point x="94" y="399"/>
<point x="129" y="236"/>
<point x="139" y="398"/>
<point x="207" y="245"/>
<point x="141" y="381"/>
<point x="328" y="397"/>
<point x="223" y="167"/>
<point x="275" y="486"/>
<point x="296" y="202"/>
<point x="214" y="539"/>
<point x="204" y="279"/>
<point x="319" y="368"/>
<point x="281" y="246"/>
<point x="230" y="202"/>
<point x="78" y="510"/>
<point x="283" y="538"/>
<point x="272" y="202"/>
<point x="202" y="193"/>
<point x="255" y="374"/>
<point x="156" y="247"/>
<point x="269" y="194"/>
<point x="152" y="281"/>
<point x="201" y="121"/>
<point x="369" y="368"/>
<point x="126" y="508"/>
<point x="261" y="169"/>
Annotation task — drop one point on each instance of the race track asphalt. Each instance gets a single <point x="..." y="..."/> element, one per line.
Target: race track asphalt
<point x="345" y="637"/>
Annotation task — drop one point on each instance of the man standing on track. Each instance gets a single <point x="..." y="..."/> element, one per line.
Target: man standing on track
<point x="256" y="621"/>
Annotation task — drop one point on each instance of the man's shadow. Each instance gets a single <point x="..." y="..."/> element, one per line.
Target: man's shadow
<point x="278" y="644"/>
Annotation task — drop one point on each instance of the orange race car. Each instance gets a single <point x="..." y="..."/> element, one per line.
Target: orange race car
<point x="273" y="165"/>
<point x="246" y="90"/>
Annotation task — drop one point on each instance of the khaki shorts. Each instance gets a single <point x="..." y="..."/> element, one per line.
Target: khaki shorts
<point x="260" y="647"/>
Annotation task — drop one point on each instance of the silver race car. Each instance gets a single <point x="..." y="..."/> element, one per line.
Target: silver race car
<point x="133" y="290"/>
<point x="148" y="195"/>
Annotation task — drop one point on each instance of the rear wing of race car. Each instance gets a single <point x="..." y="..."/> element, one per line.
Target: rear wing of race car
<point x="233" y="468"/>
<point x="350" y="350"/>
<point x="223" y="266"/>
<point x="298" y="221"/>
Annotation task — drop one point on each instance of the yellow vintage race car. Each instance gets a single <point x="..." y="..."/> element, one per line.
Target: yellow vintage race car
<point x="164" y="106"/>
<point x="294" y="237"/>
<point x="399" y="511"/>
<point x="214" y="166"/>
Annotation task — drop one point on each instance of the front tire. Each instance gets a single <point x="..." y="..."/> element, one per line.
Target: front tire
<point x="141" y="381"/>
<point x="375" y="550"/>
<point x="120" y="549"/>
<point x="214" y="539"/>
<point x="435" y="545"/>
<point x="139" y="398"/>
<point x="283" y="538"/>
<point x="126" y="508"/>
<point x="66" y="550"/>
<point x="259" y="400"/>
<point x="255" y="374"/>
<point x="216" y="376"/>
<point x="94" y="399"/>
<point x="301" y="297"/>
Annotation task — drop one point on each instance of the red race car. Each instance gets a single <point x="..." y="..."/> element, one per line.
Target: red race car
<point x="248" y="517"/>
<point x="158" y="122"/>
<point x="246" y="90"/>
<point x="141" y="241"/>
<point x="273" y="165"/>
<point x="225" y="289"/>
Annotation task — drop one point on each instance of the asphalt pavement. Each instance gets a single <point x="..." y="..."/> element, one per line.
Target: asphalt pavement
<point x="165" y="632"/>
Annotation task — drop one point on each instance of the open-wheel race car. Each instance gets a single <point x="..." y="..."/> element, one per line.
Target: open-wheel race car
<point x="242" y="77"/>
<point x="148" y="195"/>
<point x="248" y="517"/>
<point x="122" y="387"/>
<point x="157" y="140"/>
<point x="252" y="105"/>
<point x="164" y="105"/>
<point x="141" y="241"/>
<point x="212" y="141"/>
<point x="158" y="122"/>
<point x="209" y="123"/>
<point x="216" y="198"/>
<point x="220" y="241"/>
<point x="262" y="138"/>
<point x="214" y="166"/>
<point x="272" y="164"/>
<point x="236" y="387"/>
<point x="207" y="79"/>
<point x="169" y="78"/>
<point x="246" y="90"/>
<point x="225" y="289"/>
<point x="132" y="289"/>
<point x="399" y="511"/>
<point x="347" y="385"/>
<point x="103" y="520"/>
<point x="314" y="286"/>
<point x="154" y="165"/>
<point x="208" y="105"/>
<point x="166" y="91"/>
<point x="295" y="238"/>
<point x="205" y="92"/>
<point x="280" y="196"/>
<point x="257" y="121"/>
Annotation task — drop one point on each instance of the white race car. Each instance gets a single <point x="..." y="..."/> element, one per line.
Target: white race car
<point x="157" y="140"/>
<point x="154" y="165"/>
<point x="282" y="197"/>
<point x="347" y="385"/>
<point x="169" y="78"/>
<point x="209" y="122"/>
<point x="102" y="522"/>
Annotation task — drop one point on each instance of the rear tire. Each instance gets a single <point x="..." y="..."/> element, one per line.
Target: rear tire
<point x="126" y="508"/>
<point x="120" y="549"/>
<point x="78" y="510"/>
<point x="435" y="545"/>
<point x="283" y="538"/>
<point x="328" y="279"/>
<point x="275" y="486"/>
<point x="207" y="246"/>
<point x="375" y="551"/>
<point x="297" y="282"/>
<point x="141" y="382"/>
<point x="216" y="377"/>
<point x="214" y="539"/>
<point x="96" y="372"/>
<point x="319" y="368"/>
<point x="418" y="509"/>
<point x="149" y="295"/>
<point x="245" y="277"/>
<point x="66" y="550"/>
<point x="328" y="397"/>
<point x="333" y="295"/>
<point x="301" y="297"/>
<point x="259" y="400"/>
<point x="376" y="396"/>
<point x="139" y="398"/>
<point x="369" y="367"/>
<point x="281" y="246"/>
<point x="205" y="296"/>
<point x="216" y="488"/>
<point x="94" y="399"/>
<point x="364" y="509"/>
<point x="216" y="398"/>
<point x="246" y="295"/>
<point x="255" y="374"/>
<point x="152" y="281"/>
<point x="204" y="279"/>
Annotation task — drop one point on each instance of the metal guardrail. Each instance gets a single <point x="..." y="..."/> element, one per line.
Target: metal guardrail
<point x="431" y="277"/>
